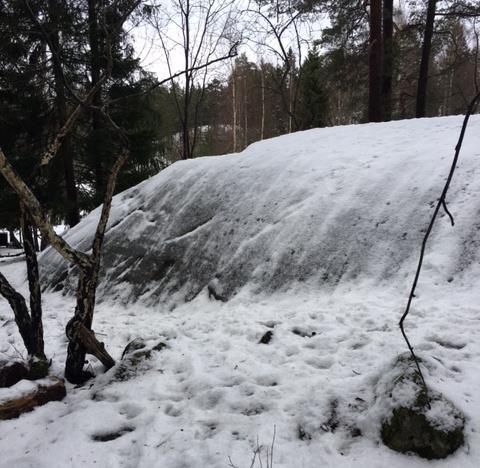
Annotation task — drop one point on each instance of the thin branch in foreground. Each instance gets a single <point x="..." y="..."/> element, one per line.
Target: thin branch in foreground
<point x="441" y="203"/>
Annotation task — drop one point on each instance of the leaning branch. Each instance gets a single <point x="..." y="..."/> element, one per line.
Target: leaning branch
<point x="33" y="205"/>
<point x="231" y="54"/>
<point x="20" y="311"/>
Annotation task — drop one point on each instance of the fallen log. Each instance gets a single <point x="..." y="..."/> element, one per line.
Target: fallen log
<point x="53" y="389"/>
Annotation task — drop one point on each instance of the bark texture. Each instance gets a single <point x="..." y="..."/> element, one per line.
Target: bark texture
<point x="81" y="342"/>
<point x="421" y="103"/>
<point x="20" y="311"/>
<point x="375" y="63"/>
<point x="36" y="325"/>
<point x="387" y="59"/>
<point x="54" y="390"/>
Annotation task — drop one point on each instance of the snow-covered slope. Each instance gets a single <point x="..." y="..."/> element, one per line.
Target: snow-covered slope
<point x="320" y="206"/>
<point x="351" y="204"/>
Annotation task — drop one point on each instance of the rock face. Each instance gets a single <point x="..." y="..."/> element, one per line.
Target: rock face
<point x="420" y="422"/>
<point x="323" y="206"/>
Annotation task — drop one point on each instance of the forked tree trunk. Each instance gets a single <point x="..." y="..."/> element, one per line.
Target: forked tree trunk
<point x="77" y="351"/>
<point x="81" y="341"/>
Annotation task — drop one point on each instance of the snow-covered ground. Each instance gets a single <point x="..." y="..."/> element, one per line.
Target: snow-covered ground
<point x="215" y="393"/>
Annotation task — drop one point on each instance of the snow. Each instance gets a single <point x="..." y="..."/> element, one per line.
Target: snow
<point x="316" y="208"/>
<point x="215" y="394"/>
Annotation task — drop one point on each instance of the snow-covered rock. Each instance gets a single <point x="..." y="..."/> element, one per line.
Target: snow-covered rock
<point x="317" y="207"/>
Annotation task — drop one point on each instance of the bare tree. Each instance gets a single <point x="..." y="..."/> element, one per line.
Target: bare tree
<point x="277" y="30"/>
<point x="82" y="339"/>
<point x="204" y="32"/>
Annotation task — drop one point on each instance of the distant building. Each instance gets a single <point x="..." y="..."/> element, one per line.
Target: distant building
<point x="4" y="239"/>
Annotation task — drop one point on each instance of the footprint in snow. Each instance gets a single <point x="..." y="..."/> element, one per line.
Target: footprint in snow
<point x="173" y="410"/>
<point x="303" y="332"/>
<point x="320" y="363"/>
<point x="107" y="436"/>
<point x="209" y="399"/>
<point x="130" y="410"/>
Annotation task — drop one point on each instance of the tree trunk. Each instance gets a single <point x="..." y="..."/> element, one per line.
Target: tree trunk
<point x="425" y="61"/>
<point x="51" y="390"/>
<point x="245" y="107"/>
<point x="188" y="85"/>
<point x="95" y="70"/>
<point x="290" y="103"/>
<point x="65" y="150"/>
<point x="20" y="311"/>
<point x="375" y="63"/>
<point x="262" y="81"/>
<point x="234" y="109"/>
<point x="387" y="59"/>
<point x="80" y="342"/>
<point x="76" y="351"/>
<point x="36" y="324"/>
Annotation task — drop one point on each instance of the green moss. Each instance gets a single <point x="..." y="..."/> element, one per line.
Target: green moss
<point x="408" y="429"/>
<point x="38" y="368"/>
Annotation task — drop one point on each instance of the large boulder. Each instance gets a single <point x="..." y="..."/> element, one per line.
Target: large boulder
<point x="323" y="206"/>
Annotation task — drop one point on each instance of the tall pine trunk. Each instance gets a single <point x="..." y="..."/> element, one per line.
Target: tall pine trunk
<point x="95" y="71"/>
<point x="387" y="59"/>
<point x="421" y="104"/>
<point x="65" y="151"/>
<point x="234" y="110"/>
<point x="375" y="110"/>
<point x="187" y="150"/>
<point x="262" y="83"/>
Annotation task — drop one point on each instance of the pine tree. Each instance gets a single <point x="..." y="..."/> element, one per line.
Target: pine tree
<point x="312" y="107"/>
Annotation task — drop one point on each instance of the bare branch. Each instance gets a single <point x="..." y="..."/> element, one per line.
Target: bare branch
<point x="31" y="202"/>
<point x="107" y="203"/>
<point x="231" y="54"/>
<point x="470" y="110"/>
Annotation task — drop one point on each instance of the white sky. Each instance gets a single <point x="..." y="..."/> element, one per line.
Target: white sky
<point x="149" y="49"/>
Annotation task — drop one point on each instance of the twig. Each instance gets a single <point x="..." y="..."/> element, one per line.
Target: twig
<point x="441" y="202"/>
<point x="273" y="443"/>
<point x="445" y="208"/>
